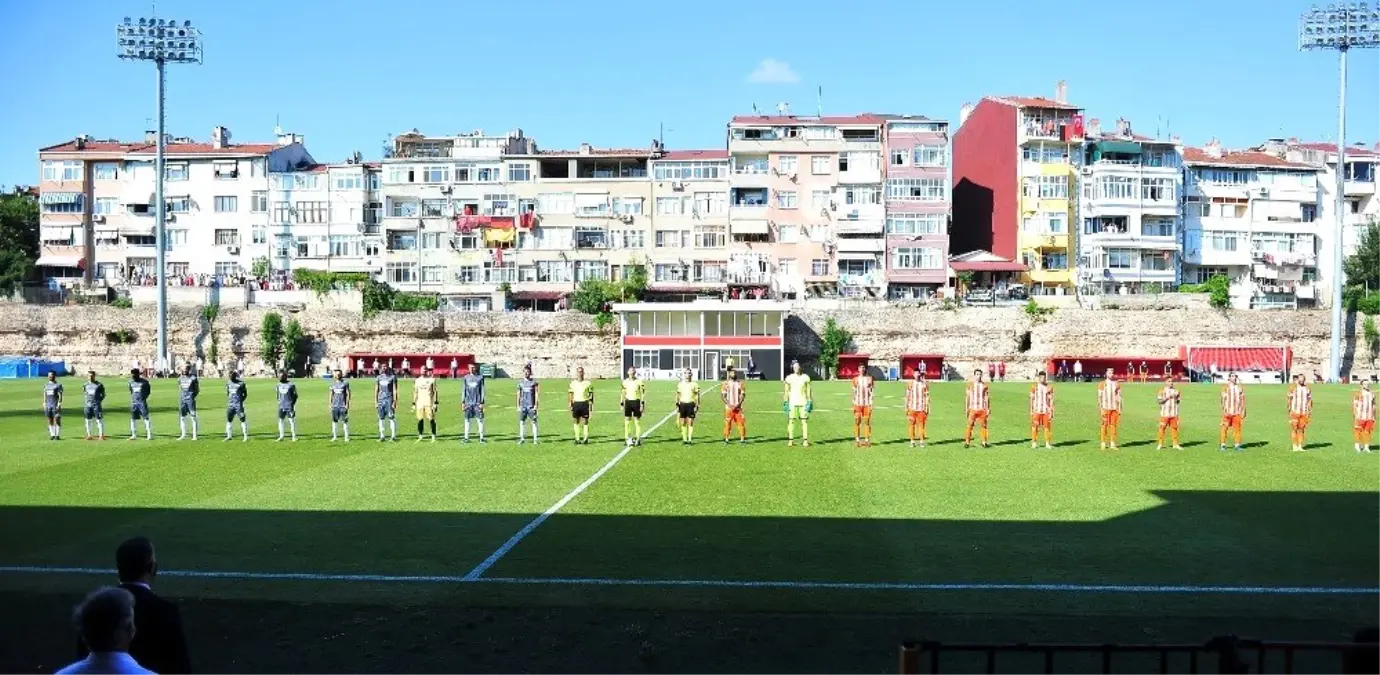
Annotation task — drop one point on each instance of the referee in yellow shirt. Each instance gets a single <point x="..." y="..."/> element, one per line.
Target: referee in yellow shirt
<point x="687" y="404"/>
<point x="632" y="399"/>
<point x="581" y="405"/>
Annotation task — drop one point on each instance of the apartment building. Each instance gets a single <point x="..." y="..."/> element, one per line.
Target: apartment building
<point x="1015" y="184"/>
<point x="1361" y="206"/>
<point x="449" y="208"/>
<point x="687" y="247"/>
<point x="97" y="204"/>
<point x="802" y="189"/>
<point x="1253" y="217"/>
<point x="918" y="205"/>
<point x="1131" y="226"/>
<point x="321" y="217"/>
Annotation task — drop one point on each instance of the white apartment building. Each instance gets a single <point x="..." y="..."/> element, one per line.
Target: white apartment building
<point x="1253" y="217"/>
<point x="803" y="191"/>
<point x="1361" y="208"/>
<point x="687" y="248"/>
<point x="1131" y="225"/>
<point x="97" y="205"/>
<point x="322" y="217"/>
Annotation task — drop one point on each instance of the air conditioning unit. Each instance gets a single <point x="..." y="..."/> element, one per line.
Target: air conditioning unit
<point x="677" y="186"/>
<point x="1086" y="171"/>
<point x="98" y="219"/>
<point x="626" y="217"/>
<point x="1262" y="193"/>
<point x="233" y="250"/>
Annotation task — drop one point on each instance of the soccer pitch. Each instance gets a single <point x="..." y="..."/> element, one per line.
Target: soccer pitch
<point x="1006" y="530"/>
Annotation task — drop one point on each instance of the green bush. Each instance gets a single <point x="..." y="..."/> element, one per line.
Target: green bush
<point x="1368" y="304"/>
<point x="1037" y="312"/>
<point x="1193" y="288"/>
<point x="122" y="302"/>
<point x="414" y="302"/>
<point x="122" y="336"/>
<point x="325" y="282"/>
<point x="1219" y="292"/>
<point x="271" y="338"/>
<point x="832" y="342"/>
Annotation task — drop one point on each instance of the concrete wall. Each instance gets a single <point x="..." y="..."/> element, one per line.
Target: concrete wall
<point x="234" y="296"/>
<point x="558" y="342"/>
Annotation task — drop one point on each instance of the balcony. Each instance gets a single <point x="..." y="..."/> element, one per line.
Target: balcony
<point x="864" y="226"/>
<point x="1051" y="276"/>
<point x="871" y="279"/>
<point x="1045" y="240"/>
<point x="861" y="175"/>
<point x="749" y="278"/>
<point x="861" y="245"/>
<point x="1359" y="188"/>
<point x="1064" y="128"/>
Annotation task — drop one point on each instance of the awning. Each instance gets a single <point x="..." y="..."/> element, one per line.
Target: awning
<point x="137" y="230"/>
<point x="591" y="201"/>
<point x="537" y="295"/>
<point x="1122" y="147"/>
<point x="1233" y="359"/>
<point x="988" y="266"/>
<point x="749" y="227"/>
<point x="60" y="261"/>
<point x="858" y="255"/>
<point x="59" y="197"/>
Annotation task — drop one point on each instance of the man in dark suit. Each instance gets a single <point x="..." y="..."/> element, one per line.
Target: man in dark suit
<point x="158" y="644"/>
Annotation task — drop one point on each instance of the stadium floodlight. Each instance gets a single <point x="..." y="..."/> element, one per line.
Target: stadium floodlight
<point x="1341" y="27"/>
<point x="162" y="42"/>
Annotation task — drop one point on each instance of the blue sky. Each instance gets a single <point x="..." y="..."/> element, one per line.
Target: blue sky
<point x="350" y="72"/>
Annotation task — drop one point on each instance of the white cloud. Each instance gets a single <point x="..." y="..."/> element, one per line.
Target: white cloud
<point x="772" y="71"/>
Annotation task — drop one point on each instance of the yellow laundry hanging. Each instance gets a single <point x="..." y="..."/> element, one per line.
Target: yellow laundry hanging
<point x="499" y="236"/>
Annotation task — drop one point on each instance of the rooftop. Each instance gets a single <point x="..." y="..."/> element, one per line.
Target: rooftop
<point x="598" y="152"/>
<point x="1351" y="150"/>
<point x="1245" y="158"/>
<point x="173" y="148"/>
<point x="1035" y="102"/>
<point x="684" y="155"/>
<point x="864" y="119"/>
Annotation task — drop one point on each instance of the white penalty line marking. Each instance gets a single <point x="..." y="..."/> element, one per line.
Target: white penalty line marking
<point x="727" y="583"/>
<point x="517" y="538"/>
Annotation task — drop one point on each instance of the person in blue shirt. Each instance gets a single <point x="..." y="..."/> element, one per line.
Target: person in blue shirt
<point x="340" y="405"/>
<point x="52" y="406"/>
<point x="139" y="391"/>
<point x="473" y="401"/>
<point x="386" y="401"/>
<point x="188" y="388"/>
<point x="93" y="393"/>
<point x="287" y="405"/>
<point x="235" y="395"/>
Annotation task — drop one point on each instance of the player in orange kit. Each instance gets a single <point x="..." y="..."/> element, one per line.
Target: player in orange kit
<point x="1168" y="399"/>
<point x="1041" y="411"/>
<point x="977" y="401"/>
<point x="1300" y="404"/>
<point x="1233" y="411"/>
<point x="917" y="407"/>
<point x="1109" y="407"/>
<point x="863" y="386"/>
<point x="1363" y="407"/>
<point x="734" y="395"/>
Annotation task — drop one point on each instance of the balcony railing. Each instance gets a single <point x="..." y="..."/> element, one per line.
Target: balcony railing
<point x="749" y="278"/>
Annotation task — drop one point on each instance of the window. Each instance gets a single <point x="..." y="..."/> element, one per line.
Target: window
<point x="519" y="172"/>
<point x="496" y="274"/>
<point x="432" y="274"/>
<point x="668" y="206"/>
<point x="1308" y="213"/>
<point x="67" y="170"/>
<point x="1048" y="187"/>
<point x="402" y="208"/>
<point x="672" y="239"/>
<point x="750" y="165"/>
<point x="225" y="269"/>
<point x="789" y="234"/>
<point x="819" y="199"/>
<point x="916" y="258"/>
<point x="371" y="180"/>
<point x="489" y="174"/>
<point x="282" y="212"/>
<point x="854" y="196"/>
<point x="1230" y="209"/>
<point x="917" y="189"/>
<point x="349" y="181"/>
<point x="431" y="240"/>
<point x="106" y="171"/>
<point x="436" y="174"/>
<point x="1055" y="222"/>
<point x="646" y="358"/>
<point x="1154" y="227"/>
<point x="400" y="174"/>
<point x="105" y="206"/>
<point x="685" y="358"/>
<point x="226" y="170"/>
<point x="1116" y="188"/>
<point x="469" y="274"/>
<point x="227" y="238"/>
<point x="402" y="273"/>
<point x="259" y="235"/>
<point x="344" y="246"/>
<point x="175" y="171"/>
<point x="819" y="267"/>
<point x="1224" y="176"/>
<point x="553" y="271"/>
<point x="258" y="201"/>
<point x="1221" y="241"/>
<point x="786" y="267"/>
<point x="1119" y="259"/>
<point x="591" y="269"/>
<point x="820" y="164"/>
<point x="821" y="133"/>
<point x="710" y="204"/>
<point x="787" y="164"/>
<point x="628" y="206"/>
<point x="1157" y="189"/>
<point x="710" y="237"/>
<point x="555" y="203"/>
<point x="311" y="212"/>
<point x="1156" y="262"/>
<point x="683" y="171"/>
<point x="898" y="157"/>
<point x="433" y="208"/>
<point x="786" y="199"/>
<point x="179" y="204"/>
<point x="227" y="204"/>
<point x="618" y="239"/>
<point x="930" y="155"/>
<point x="402" y="241"/>
<point x="1054" y="261"/>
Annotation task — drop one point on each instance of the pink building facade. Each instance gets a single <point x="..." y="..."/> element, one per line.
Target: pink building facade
<point x="918" y="202"/>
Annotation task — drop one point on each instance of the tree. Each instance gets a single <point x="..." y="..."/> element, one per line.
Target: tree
<point x="634" y="282"/>
<point x="294" y="344"/>
<point x="271" y="338"/>
<point x="832" y="342"/>
<point x="1363" y="267"/>
<point x="1371" y="336"/>
<point x="18" y="239"/>
<point x="1219" y="292"/>
<point x="592" y="296"/>
<point x="260" y="268"/>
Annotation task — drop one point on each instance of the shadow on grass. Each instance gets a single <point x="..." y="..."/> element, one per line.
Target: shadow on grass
<point x="1317" y="446"/>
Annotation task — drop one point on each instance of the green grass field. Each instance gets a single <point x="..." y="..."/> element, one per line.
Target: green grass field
<point x="1134" y="534"/>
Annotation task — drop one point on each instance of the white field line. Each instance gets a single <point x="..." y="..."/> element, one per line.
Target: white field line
<point x="1058" y="588"/>
<point x="517" y="538"/>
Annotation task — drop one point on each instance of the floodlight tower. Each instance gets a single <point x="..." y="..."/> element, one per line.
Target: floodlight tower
<point x="161" y="41"/>
<point x="1342" y="27"/>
